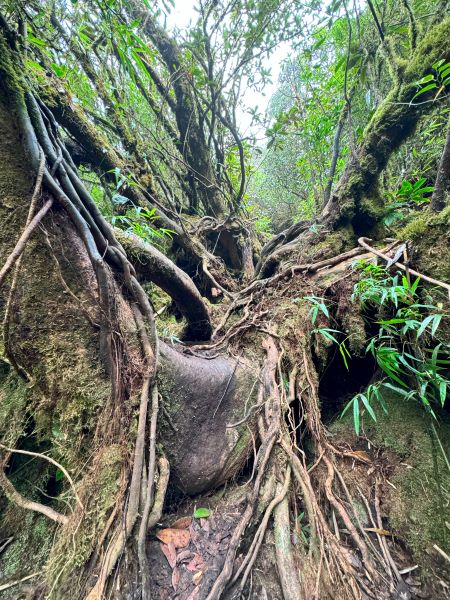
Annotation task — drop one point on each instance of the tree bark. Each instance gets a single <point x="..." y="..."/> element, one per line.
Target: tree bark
<point x="439" y="197"/>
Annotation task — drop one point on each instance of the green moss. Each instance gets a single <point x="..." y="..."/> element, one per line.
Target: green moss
<point x="414" y="229"/>
<point x="98" y="490"/>
<point x="417" y="507"/>
<point x="13" y="399"/>
<point x="32" y="539"/>
<point x="334" y="243"/>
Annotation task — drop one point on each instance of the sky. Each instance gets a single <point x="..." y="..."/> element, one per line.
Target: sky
<point x="180" y="17"/>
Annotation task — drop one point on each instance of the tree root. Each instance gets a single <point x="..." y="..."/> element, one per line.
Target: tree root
<point x="17" y="498"/>
<point x="50" y="460"/>
<point x="23" y="240"/>
<point x="287" y="571"/>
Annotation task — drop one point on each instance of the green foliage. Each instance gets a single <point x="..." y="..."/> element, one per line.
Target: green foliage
<point x="137" y="219"/>
<point x="319" y="306"/>
<point x="405" y="347"/>
<point x="202" y="513"/>
<point x="406" y="197"/>
<point x="437" y="80"/>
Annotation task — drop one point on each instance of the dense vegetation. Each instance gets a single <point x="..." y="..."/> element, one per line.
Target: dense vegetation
<point x="225" y="355"/>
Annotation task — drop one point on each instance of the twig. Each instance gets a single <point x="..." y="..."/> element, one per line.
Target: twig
<point x="7" y="586"/>
<point x="363" y="242"/>
<point x="14" y="496"/>
<point x="441" y="552"/>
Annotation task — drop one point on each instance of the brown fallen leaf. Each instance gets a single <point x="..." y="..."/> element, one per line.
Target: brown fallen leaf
<point x="178" y="537"/>
<point x="170" y="553"/>
<point x="359" y="455"/>
<point x="194" y="564"/>
<point x="176" y="578"/>
<point x="182" y="523"/>
<point x="197" y="577"/>
<point x="184" y="555"/>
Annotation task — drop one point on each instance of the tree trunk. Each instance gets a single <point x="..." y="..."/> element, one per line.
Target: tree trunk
<point x="441" y="185"/>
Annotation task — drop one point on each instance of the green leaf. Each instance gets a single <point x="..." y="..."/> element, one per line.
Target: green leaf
<point x="427" y="88"/>
<point x="438" y="63"/>
<point x="343" y="350"/>
<point x="415" y="284"/>
<point x="356" y="414"/>
<point x="396" y="389"/>
<point x="365" y="401"/>
<point x="202" y="513"/>
<point x="59" y="475"/>
<point x="442" y="392"/>
<point x="426" y="79"/>
<point x="36" y="41"/>
<point x="59" y="70"/>
<point x="425" y="324"/>
<point x="436" y="321"/>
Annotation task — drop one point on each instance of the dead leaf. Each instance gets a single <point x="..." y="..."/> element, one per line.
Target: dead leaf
<point x="170" y="553"/>
<point x="182" y="523"/>
<point x="197" y="577"/>
<point x="359" y="455"/>
<point x="178" y="537"/>
<point x="184" y="555"/>
<point x="194" y="563"/>
<point x="378" y="531"/>
<point x="176" y="578"/>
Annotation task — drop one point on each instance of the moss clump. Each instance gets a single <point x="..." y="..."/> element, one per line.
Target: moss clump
<point x="98" y="490"/>
<point x="416" y="227"/>
<point x="13" y="399"/>
<point x="417" y="508"/>
<point x="32" y="539"/>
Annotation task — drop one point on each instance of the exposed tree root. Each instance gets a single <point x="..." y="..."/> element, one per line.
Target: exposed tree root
<point x="18" y="499"/>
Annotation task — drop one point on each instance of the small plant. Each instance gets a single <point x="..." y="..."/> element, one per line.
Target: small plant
<point x="137" y="219"/>
<point x="408" y="195"/>
<point x="404" y="347"/>
<point x="305" y="530"/>
<point x="437" y="80"/>
<point x="318" y="305"/>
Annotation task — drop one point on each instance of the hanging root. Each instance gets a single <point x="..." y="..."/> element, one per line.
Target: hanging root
<point x="56" y="172"/>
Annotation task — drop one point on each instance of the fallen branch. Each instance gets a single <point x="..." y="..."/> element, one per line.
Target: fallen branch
<point x="363" y="242"/>
<point x="7" y="586"/>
